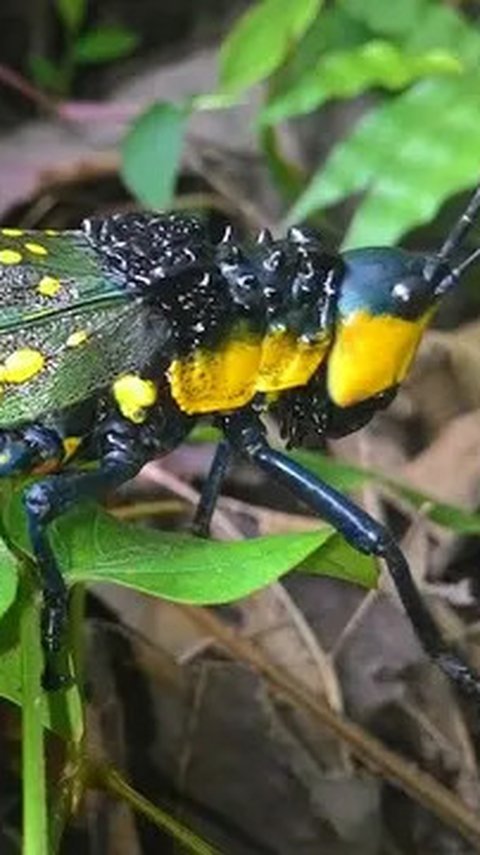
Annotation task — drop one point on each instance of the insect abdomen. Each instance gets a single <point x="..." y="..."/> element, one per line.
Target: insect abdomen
<point x="229" y="376"/>
<point x="264" y="320"/>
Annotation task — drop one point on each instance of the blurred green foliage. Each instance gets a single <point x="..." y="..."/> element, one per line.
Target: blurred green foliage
<point x="417" y="141"/>
<point x="81" y="46"/>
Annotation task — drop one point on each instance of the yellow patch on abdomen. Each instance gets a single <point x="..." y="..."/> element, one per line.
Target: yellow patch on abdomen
<point x="209" y="381"/>
<point x="370" y="355"/>
<point x="288" y="361"/>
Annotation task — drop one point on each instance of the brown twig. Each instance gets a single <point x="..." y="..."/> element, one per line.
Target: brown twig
<point x="11" y="78"/>
<point x="416" y="783"/>
<point x="68" y="111"/>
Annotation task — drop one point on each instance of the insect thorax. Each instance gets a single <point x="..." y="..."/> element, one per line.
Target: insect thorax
<point x="244" y="318"/>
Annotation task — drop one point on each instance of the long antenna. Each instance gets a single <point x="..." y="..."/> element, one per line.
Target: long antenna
<point x="453" y="242"/>
<point x="461" y="228"/>
<point x="466" y="263"/>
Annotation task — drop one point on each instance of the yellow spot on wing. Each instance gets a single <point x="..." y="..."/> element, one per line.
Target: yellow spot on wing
<point x="48" y="286"/>
<point x="288" y="361"/>
<point x="370" y="355"/>
<point x="21" y="365"/>
<point x="76" y="338"/>
<point x="10" y="256"/>
<point x="12" y="232"/>
<point x="211" y="380"/>
<point x="134" y="396"/>
<point x="36" y="248"/>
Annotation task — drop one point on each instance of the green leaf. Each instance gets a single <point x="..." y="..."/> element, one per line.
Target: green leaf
<point x="332" y="30"/>
<point x="151" y="153"/>
<point x="380" y="17"/>
<point x="340" y="560"/>
<point x="104" y="44"/>
<point x="346" y="74"/>
<point x="72" y="13"/>
<point x="262" y="39"/>
<point x="457" y="519"/>
<point x="411" y="153"/>
<point x="46" y="74"/>
<point x="339" y="474"/>
<point x="205" y="433"/>
<point x="8" y="578"/>
<point x="91" y="545"/>
<point x="175" y="566"/>
<point x="348" y="478"/>
<point x="287" y="176"/>
<point x="442" y="26"/>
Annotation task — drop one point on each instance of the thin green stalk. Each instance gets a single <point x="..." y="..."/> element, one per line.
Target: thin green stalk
<point x="33" y="755"/>
<point x="68" y="795"/>
<point x="71" y="787"/>
<point x="111" y="780"/>
<point x="76" y="631"/>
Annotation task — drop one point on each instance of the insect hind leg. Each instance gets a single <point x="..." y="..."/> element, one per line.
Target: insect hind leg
<point x="361" y="530"/>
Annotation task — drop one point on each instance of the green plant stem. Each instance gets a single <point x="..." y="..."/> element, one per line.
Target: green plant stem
<point x="71" y="787"/>
<point x="76" y="631"/>
<point x="109" y="779"/>
<point x="33" y="757"/>
<point x="69" y="794"/>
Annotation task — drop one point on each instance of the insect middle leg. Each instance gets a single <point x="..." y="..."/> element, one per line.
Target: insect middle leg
<point x="211" y="489"/>
<point x="121" y="454"/>
<point x="362" y="531"/>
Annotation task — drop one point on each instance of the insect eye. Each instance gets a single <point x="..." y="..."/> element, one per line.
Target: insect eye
<point x="401" y="292"/>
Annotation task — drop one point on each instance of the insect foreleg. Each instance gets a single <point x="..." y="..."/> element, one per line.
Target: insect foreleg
<point x="121" y="455"/>
<point x="24" y="449"/>
<point x="363" y="532"/>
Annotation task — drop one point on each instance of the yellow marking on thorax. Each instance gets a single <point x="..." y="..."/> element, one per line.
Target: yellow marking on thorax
<point x="36" y="248"/>
<point x="10" y="256"/>
<point x="77" y="338"/>
<point x="12" y="232"/>
<point x="21" y="365"/>
<point x="70" y="446"/>
<point x="49" y="286"/>
<point x="208" y="381"/>
<point x="288" y="361"/>
<point x="370" y="355"/>
<point x="52" y="232"/>
<point x="134" y="396"/>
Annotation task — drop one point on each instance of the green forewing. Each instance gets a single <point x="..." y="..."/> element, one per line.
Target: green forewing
<point x="119" y="333"/>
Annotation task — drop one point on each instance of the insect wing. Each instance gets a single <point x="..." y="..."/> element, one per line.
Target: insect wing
<point x="65" y="331"/>
<point x="42" y="273"/>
